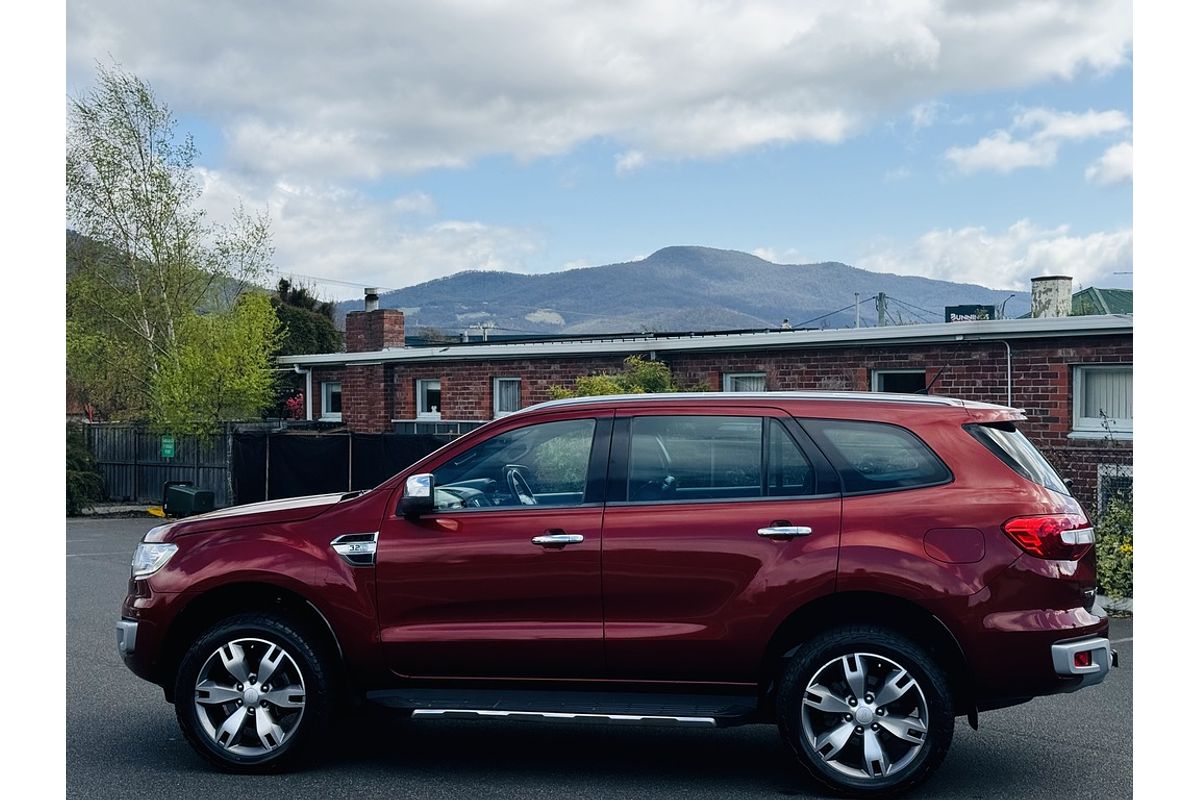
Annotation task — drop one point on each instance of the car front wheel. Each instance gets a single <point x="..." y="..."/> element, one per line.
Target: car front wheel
<point x="252" y="693"/>
<point x="867" y="711"/>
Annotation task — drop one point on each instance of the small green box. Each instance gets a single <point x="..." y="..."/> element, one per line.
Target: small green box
<point x="168" y="446"/>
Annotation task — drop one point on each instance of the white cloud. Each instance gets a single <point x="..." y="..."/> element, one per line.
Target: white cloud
<point x="1048" y="130"/>
<point x="1001" y="153"/>
<point x="1007" y="260"/>
<point x="1051" y="125"/>
<point x="1115" y="166"/>
<point x="333" y="91"/>
<point x="334" y="233"/>
<point x="630" y="161"/>
<point x="922" y="115"/>
<point x="415" y="203"/>
<point x="897" y="174"/>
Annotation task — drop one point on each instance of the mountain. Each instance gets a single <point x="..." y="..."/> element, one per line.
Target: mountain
<point x="678" y="289"/>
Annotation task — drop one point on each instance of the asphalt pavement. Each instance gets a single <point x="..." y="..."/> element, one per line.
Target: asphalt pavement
<point x="122" y="739"/>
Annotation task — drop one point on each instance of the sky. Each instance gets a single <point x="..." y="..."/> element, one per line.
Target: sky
<point x="981" y="141"/>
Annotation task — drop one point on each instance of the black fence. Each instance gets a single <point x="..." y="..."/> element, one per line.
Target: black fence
<point x="130" y="458"/>
<point x="273" y="465"/>
<point x="250" y="462"/>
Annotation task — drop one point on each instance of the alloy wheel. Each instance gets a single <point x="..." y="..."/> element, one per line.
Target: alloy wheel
<point x="865" y="716"/>
<point x="249" y="697"/>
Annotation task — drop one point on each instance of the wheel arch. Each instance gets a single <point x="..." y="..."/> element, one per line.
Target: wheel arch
<point x="847" y="608"/>
<point x="219" y="602"/>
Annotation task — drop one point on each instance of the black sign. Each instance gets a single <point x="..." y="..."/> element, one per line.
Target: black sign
<point x="969" y="313"/>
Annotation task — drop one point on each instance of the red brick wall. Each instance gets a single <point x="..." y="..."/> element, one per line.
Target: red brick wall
<point x="368" y="331"/>
<point x="373" y="396"/>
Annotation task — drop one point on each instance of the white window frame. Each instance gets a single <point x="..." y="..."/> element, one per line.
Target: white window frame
<point x="728" y="378"/>
<point x="422" y="387"/>
<point x="876" y="373"/>
<point x="496" y="412"/>
<point x="326" y="393"/>
<point x="1096" y="427"/>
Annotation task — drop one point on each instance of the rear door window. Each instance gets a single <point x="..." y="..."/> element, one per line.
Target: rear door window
<point x="876" y="456"/>
<point x="681" y="458"/>
<point x="1010" y="446"/>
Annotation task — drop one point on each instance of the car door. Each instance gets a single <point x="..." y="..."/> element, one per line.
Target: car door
<point x="502" y="579"/>
<point x="719" y="522"/>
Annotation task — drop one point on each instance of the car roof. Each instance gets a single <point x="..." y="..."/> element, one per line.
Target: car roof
<point x="726" y="398"/>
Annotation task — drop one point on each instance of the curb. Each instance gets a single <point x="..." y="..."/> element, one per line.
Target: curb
<point x="1124" y="605"/>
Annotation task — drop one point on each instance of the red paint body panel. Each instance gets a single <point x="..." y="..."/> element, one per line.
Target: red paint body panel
<point x="667" y="592"/>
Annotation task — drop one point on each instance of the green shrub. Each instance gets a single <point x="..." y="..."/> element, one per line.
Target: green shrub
<point x="85" y="484"/>
<point x="1114" y="549"/>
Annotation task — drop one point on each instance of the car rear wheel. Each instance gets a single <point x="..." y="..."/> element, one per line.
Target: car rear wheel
<point x="867" y="711"/>
<point x="252" y="693"/>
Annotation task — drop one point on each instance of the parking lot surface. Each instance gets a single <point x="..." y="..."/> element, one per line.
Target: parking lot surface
<point x="122" y="740"/>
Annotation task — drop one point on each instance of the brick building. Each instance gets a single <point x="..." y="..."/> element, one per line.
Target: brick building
<point x="1072" y="375"/>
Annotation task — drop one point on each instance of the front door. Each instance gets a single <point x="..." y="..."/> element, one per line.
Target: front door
<point x="502" y="579"/>
<point x="692" y="588"/>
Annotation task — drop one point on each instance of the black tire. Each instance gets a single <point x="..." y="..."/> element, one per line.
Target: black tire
<point x="881" y="651"/>
<point x="308" y="674"/>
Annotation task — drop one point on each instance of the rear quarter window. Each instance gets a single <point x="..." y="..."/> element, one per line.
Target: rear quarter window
<point x="1010" y="446"/>
<point x="876" y="456"/>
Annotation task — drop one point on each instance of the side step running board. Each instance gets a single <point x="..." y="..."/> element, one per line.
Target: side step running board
<point x="627" y="719"/>
<point x="620" y="707"/>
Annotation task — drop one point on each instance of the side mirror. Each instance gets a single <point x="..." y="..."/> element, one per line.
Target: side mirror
<point x="418" y="495"/>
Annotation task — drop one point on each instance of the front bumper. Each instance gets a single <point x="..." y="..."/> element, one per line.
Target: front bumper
<point x="126" y="636"/>
<point x="1096" y="653"/>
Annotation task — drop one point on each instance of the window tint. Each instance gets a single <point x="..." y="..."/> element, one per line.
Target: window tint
<point x="789" y="472"/>
<point x="695" y="458"/>
<point x="549" y="460"/>
<point x="873" y="456"/>
<point x="1011" y="447"/>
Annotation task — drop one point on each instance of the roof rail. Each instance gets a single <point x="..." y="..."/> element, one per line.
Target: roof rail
<point x="862" y="397"/>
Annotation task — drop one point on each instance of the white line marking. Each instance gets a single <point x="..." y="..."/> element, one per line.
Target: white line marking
<point x="1121" y="641"/>
<point x="76" y="555"/>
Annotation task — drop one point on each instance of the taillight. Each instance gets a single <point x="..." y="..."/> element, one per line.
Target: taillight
<point x="1056" y="536"/>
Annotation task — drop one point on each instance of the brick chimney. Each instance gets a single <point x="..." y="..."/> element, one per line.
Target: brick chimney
<point x="1051" y="296"/>
<point x="374" y="329"/>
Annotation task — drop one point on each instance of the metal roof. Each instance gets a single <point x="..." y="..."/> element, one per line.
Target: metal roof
<point x="1096" y="325"/>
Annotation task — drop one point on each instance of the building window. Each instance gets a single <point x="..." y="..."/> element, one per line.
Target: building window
<point x="903" y="381"/>
<point x="1103" y="402"/>
<point x="506" y="396"/>
<point x="1113" y="480"/>
<point x="429" y="399"/>
<point x="744" y="382"/>
<point x="331" y="401"/>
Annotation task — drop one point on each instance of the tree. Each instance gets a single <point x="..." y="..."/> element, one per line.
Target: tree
<point x="154" y="282"/>
<point x="638" y="376"/>
<point x="307" y="321"/>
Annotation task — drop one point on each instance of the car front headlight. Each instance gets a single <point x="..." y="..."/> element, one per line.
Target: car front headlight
<point x="149" y="557"/>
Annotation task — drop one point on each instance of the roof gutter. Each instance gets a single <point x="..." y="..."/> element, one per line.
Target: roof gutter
<point x="982" y="330"/>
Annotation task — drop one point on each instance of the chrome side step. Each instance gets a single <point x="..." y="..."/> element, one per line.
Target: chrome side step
<point x="628" y="719"/>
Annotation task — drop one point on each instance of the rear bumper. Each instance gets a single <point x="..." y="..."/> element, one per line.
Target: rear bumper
<point x="1095" y="651"/>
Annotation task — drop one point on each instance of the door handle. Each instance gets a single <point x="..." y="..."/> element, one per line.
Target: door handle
<point x="784" y="531"/>
<point x="557" y="539"/>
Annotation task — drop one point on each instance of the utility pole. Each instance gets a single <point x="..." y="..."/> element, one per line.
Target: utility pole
<point x="881" y="308"/>
<point x="857" y="316"/>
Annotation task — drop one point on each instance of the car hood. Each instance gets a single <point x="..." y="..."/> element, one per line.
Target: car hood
<point x="291" y="509"/>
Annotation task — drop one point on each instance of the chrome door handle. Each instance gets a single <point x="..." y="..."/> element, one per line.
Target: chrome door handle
<point x="557" y="539"/>
<point x="784" y="531"/>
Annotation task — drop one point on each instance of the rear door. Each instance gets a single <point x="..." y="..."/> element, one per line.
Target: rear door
<point x="694" y="578"/>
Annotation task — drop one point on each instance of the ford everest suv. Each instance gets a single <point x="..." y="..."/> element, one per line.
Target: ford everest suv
<point x="859" y="569"/>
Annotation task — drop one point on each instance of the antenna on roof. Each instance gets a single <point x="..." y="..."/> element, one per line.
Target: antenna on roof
<point x="936" y="375"/>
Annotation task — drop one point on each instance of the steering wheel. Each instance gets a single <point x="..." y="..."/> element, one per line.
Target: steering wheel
<point x="520" y="487"/>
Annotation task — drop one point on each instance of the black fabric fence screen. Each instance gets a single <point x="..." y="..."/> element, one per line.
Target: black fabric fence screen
<point x="278" y="465"/>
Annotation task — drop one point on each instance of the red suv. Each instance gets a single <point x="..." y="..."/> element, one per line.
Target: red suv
<point x="859" y="569"/>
